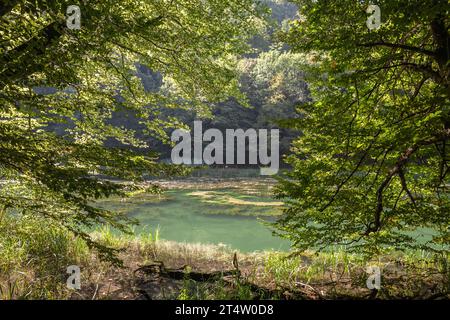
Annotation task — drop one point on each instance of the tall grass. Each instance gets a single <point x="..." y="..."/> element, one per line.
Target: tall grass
<point x="34" y="255"/>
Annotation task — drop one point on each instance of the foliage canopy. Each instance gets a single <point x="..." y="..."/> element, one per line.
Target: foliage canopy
<point x="371" y="169"/>
<point x="87" y="75"/>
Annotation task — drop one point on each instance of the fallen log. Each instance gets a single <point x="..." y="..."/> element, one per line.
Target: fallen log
<point x="230" y="277"/>
<point x="159" y="269"/>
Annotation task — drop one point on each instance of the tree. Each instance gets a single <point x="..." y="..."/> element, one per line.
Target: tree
<point x="88" y="75"/>
<point x="275" y="85"/>
<point x="371" y="170"/>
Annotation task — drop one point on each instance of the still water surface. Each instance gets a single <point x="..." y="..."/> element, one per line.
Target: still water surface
<point x="221" y="216"/>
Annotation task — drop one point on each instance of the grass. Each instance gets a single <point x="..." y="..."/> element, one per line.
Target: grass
<point x="34" y="256"/>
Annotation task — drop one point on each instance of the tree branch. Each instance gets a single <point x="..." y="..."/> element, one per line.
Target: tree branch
<point x="27" y="52"/>
<point x="7" y="6"/>
<point x="399" y="46"/>
<point x="396" y="170"/>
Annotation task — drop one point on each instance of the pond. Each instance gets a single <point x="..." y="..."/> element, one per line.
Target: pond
<point x="211" y="213"/>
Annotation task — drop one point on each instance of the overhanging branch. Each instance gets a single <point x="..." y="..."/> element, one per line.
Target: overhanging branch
<point x="399" y="46"/>
<point x="397" y="170"/>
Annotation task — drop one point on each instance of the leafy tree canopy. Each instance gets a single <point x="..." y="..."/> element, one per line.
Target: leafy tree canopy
<point x="92" y="74"/>
<point x="371" y="169"/>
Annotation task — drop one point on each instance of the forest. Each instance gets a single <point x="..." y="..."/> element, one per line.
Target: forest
<point x="224" y="150"/>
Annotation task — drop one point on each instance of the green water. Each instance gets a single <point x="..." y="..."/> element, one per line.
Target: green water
<point x="231" y="214"/>
<point x="184" y="217"/>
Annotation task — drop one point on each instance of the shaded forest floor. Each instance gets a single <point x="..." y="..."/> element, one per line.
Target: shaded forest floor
<point x="192" y="271"/>
<point x="34" y="258"/>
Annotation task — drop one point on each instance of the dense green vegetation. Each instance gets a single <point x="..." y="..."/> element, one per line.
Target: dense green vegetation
<point x="35" y="251"/>
<point x="91" y="74"/>
<point x="85" y="121"/>
<point x="269" y="75"/>
<point x="372" y="164"/>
